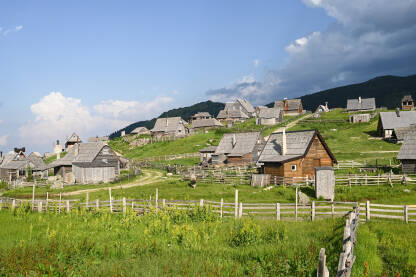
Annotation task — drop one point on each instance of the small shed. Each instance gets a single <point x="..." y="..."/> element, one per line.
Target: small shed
<point x="408" y="103"/>
<point x="206" y="153"/>
<point x="170" y="126"/>
<point x="407" y="154"/>
<point x="361" y="104"/>
<point x="289" y="106"/>
<point x="269" y="116"/>
<point x="325" y="182"/>
<point x="360" y="117"/>
<point x="209" y="123"/>
<point x="140" y="131"/>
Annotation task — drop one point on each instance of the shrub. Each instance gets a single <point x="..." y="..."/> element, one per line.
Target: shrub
<point x="245" y="233"/>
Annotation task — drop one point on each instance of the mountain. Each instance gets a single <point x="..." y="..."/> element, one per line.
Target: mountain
<point x="388" y="91"/>
<point x="186" y="112"/>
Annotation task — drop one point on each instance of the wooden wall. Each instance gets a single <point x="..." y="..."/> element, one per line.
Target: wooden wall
<point x="409" y="166"/>
<point x="246" y="159"/>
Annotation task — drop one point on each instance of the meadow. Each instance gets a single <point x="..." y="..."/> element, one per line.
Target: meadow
<point x="170" y="243"/>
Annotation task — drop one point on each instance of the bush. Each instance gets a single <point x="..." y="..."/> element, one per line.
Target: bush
<point x="245" y="233"/>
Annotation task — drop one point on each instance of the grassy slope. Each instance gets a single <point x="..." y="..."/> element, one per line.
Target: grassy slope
<point x="53" y="158"/>
<point x="175" y="244"/>
<point x="349" y="141"/>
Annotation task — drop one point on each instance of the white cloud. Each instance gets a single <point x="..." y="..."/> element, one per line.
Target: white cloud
<point x="3" y="140"/>
<point x="256" y="63"/>
<point x="18" y="28"/>
<point x="5" y="32"/>
<point x="56" y="116"/>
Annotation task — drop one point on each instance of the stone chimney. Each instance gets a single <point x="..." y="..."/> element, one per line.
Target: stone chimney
<point x="234" y="140"/>
<point x="398" y="112"/>
<point x="284" y="146"/>
<point x="359" y="99"/>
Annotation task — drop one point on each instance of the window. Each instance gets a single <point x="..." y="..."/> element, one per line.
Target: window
<point x="105" y="161"/>
<point x="293" y="167"/>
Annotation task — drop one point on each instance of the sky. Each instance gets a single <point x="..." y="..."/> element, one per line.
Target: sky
<point x="92" y="67"/>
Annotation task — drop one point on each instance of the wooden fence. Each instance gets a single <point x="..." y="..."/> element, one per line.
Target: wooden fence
<point x="368" y="180"/>
<point x="406" y="213"/>
<point x="365" y="166"/>
<point x="169" y="157"/>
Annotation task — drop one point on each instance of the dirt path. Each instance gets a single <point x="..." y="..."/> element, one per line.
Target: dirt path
<point x="147" y="179"/>
<point x="291" y="124"/>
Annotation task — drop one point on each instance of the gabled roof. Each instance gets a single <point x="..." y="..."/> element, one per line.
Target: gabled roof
<point x="401" y="132"/>
<point x="16" y="164"/>
<point x="408" y="149"/>
<point x="297" y="146"/>
<point x="202" y="114"/>
<point x="37" y="162"/>
<point x="407" y="98"/>
<point x="139" y="130"/>
<point x="223" y="114"/>
<point x="246" y="105"/>
<point x="88" y="151"/>
<point x="269" y="113"/>
<point x="324" y="108"/>
<point x="64" y="161"/>
<point x="391" y="120"/>
<point x="202" y="123"/>
<point x="74" y="138"/>
<point x="168" y="124"/>
<point x="244" y="144"/>
<point x="208" y="149"/>
<point x="366" y="104"/>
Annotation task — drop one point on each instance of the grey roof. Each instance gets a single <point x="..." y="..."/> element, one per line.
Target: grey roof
<point x="140" y="130"/>
<point x="366" y="104"/>
<point x="210" y="122"/>
<point x="97" y="139"/>
<point x="401" y="132"/>
<point x="297" y="143"/>
<point x="247" y="105"/>
<point x="208" y="149"/>
<point x="322" y="108"/>
<point x="269" y="113"/>
<point x="390" y="120"/>
<point x="168" y="124"/>
<point x="407" y="98"/>
<point x="223" y="114"/>
<point x="16" y="164"/>
<point x="6" y="158"/>
<point x="408" y="149"/>
<point x="74" y="138"/>
<point x="37" y="162"/>
<point x="244" y="144"/>
<point x="88" y="151"/>
<point x="202" y="114"/>
<point x="64" y="161"/>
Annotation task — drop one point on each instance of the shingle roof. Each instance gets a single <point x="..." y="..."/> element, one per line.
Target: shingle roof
<point x="208" y="149"/>
<point x="37" y="162"/>
<point x="139" y="130"/>
<point x="74" y="138"/>
<point x="390" y="120"/>
<point x="279" y="104"/>
<point x="401" y="132"/>
<point x="16" y="164"/>
<point x="247" y="105"/>
<point x="244" y="144"/>
<point x="223" y="114"/>
<point x="297" y="143"/>
<point x="66" y="160"/>
<point x="88" y="151"/>
<point x="407" y="98"/>
<point x="202" y="114"/>
<point x="201" y="123"/>
<point x="366" y="104"/>
<point x="168" y="124"/>
<point x="408" y="149"/>
<point x="269" y="113"/>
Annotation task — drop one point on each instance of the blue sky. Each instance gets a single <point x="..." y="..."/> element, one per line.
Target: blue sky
<point x="94" y="66"/>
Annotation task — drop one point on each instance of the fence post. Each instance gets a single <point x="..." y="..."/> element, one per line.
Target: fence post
<point x="322" y="269"/>
<point x="60" y="202"/>
<point x="277" y="211"/>
<point x="406" y="214"/>
<point x="236" y="204"/>
<point x="366" y="179"/>
<point x="40" y="206"/>
<point x="221" y="206"/>
<point x="163" y="203"/>
<point x="87" y="197"/>
<point x="13" y="204"/>
<point x="332" y="209"/>
<point x="313" y="211"/>
<point x="111" y="200"/>
<point x="47" y="200"/>
<point x="240" y="210"/>
<point x="201" y="202"/>
<point x="97" y="204"/>
<point x="157" y="199"/>
<point x="124" y="205"/>
<point x="33" y="197"/>
<point x="67" y="206"/>
<point x="367" y="211"/>
<point x="296" y="204"/>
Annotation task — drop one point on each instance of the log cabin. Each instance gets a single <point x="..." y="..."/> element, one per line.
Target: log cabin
<point x="238" y="148"/>
<point x="170" y="127"/>
<point x="237" y="111"/>
<point x="361" y="104"/>
<point x="289" y="106"/>
<point x="269" y="116"/>
<point x="407" y="154"/>
<point x="295" y="154"/>
<point x="388" y="121"/>
<point x="72" y="140"/>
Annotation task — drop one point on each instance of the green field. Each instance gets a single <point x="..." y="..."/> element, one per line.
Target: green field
<point x="171" y="243"/>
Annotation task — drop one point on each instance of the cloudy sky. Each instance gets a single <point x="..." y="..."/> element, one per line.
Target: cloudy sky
<point x="94" y="66"/>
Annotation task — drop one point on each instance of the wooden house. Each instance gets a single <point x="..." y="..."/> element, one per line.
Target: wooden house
<point x="63" y="166"/>
<point x="72" y="140"/>
<point x="206" y="153"/>
<point x="388" y="121"/>
<point x="407" y="154"/>
<point x="16" y="166"/>
<point x="170" y="126"/>
<point x="140" y="131"/>
<point x="238" y="148"/>
<point x="205" y="124"/>
<point x="238" y="111"/>
<point x="361" y="104"/>
<point x="360" y="117"/>
<point x="408" y="103"/>
<point x="269" y="116"/>
<point x="200" y="115"/>
<point x="289" y="106"/>
<point x="295" y="154"/>
<point x="400" y="133"/>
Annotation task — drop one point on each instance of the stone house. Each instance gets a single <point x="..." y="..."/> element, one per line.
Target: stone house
<point x="295" y="154"/>
<point x="170" y="126"/>
<point x="238" y="148"/>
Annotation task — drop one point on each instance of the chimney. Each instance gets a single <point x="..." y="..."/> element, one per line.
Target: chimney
<point x="359" y="99"/>
<point x="57" y="142"/>
<point x="76" y="150"/>
<point x="234" y="140"/>
<point x="284" y="146"/>
<point x="58" y="156"/>
<point x="398" y="112"/>
<point x="326" y="105"/>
